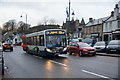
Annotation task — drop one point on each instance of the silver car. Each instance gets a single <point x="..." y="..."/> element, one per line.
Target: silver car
<point x="100" y="46"/>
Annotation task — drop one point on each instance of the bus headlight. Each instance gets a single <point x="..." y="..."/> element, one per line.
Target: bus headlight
<point x="48" y="50"/>
<point x="64" y="49"/>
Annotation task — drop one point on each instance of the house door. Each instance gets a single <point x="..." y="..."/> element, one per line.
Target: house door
<point x="106" y="37"/>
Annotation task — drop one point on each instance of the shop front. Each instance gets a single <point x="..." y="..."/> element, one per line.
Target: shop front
<point x="116" y="35"/>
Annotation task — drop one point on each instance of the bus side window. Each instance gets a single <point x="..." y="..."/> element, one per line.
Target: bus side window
<point x="32" y="40"/>
<point x="35" y="40"/>
<point x="28" y="41"/>
<point x="41" y="40"/>
<point x="38" y="40"/>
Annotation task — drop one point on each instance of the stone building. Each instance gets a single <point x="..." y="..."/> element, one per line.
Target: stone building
<point x="111" y="27"/>
<point x="94" y="28"/>
<point x="106" y="28"/>
<point x="74" y="28"/>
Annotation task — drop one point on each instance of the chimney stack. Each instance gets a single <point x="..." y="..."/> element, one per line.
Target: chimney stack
<point x="112" y="13"/>
<point x="90" y="19"/>
<point x="116" y="11"/>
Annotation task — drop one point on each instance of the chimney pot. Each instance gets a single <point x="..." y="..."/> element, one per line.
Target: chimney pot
<point x="90" y="19"/>
<point x="112" y="13"/>
<point x="116" y="6"/>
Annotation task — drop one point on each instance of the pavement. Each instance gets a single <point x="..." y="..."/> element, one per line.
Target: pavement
<point x="112" y="55"/>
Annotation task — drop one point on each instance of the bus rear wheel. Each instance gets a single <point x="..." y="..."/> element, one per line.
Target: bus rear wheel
<point x="27" y="51"/>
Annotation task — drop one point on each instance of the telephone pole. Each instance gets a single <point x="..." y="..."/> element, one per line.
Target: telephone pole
<point x="69" y="9"/>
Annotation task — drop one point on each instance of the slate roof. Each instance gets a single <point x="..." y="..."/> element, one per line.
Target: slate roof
<point x="96" y="21"/>
<point x="100" y="20"/>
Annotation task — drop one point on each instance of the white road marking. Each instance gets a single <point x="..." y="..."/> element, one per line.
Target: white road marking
<point x="53" y="61"/>
<point x="58" y="63"/>
<point x="97" y="74"/>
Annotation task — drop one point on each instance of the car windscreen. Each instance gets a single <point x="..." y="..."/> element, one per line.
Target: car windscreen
<point x="114" y="42"/>
<point x="87" y="40"/>
<point x="83" y="45"/>
<point x="74" y="40"/>
<point x="7" y="44"/>
<point x="99" y="43"/>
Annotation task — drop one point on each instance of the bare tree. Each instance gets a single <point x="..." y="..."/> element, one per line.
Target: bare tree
<point x="6" y="26"/>
<point x="52" y="21"/>
<point x="45" y="20"/>
<point x="22" y="26"/>
<point x="10" y="25"/>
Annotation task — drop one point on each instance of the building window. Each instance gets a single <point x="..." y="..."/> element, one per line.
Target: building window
<point x="110" y="27"/>
<point x="106" y="27"/>
<point x="118" y="24"/>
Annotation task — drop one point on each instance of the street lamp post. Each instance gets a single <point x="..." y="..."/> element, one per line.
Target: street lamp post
<point x="69" y="19"/>
<point x="25" y="18"/>
<point x="69" y="10"/>
<point x="26" y="26"/>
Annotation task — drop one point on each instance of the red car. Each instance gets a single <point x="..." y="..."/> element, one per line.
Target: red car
<point x="8" y="46"/>
<point x="81" y="49"/>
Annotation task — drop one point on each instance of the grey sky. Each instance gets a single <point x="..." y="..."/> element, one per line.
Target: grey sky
<point x="53" y="9"/>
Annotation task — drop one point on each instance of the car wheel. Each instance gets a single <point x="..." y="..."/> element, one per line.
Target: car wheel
<point x="57" y="55"/>
<point x="37" y="51"/>
<point x="27" y="51"/>
<point x="3" y="49"/>
<point x="108" y="52"/>
<point x="94" y="54"/>
<point x="2" y="66"/>
<point x="80" y="53"/>
<point x="11" y="49"/>
<point x="70" y="53"/>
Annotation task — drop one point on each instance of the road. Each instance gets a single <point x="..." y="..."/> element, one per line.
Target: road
<point x="23" y="65"/>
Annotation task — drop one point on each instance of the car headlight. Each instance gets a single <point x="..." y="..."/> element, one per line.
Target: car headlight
<point x="48" y="50"/>
<point x="64" y="49"/>
<point x="107" y="47"/>
<point x="85" y="50"/>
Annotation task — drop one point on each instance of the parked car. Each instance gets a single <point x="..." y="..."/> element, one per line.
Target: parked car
<point x="81" y="49"/>
<point x="1" y="60"/>
<point x="75" y="40"/>
<point x="1" y="49"/>
<point x="100" y="46"/>
<point x="113" y="47"/>
<point x="7" y="46"/>
<point x="89" y="41"/>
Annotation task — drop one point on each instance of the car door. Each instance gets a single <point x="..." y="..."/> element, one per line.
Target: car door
<point x="70" y="48"/>
<point x="75" y="48"/>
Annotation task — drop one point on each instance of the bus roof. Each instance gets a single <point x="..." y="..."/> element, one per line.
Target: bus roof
<point x="42" y="32"/>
